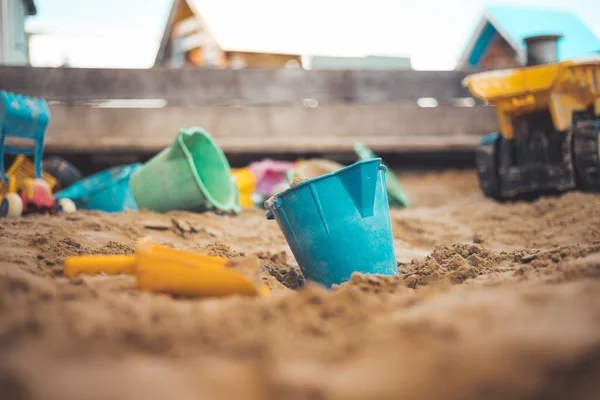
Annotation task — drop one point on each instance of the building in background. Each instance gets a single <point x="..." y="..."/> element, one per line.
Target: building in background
<point x="206" y="34"/>
<point x="498" y="40"/>
<point x="14" y="49"/>
<point x="191" y="39"/>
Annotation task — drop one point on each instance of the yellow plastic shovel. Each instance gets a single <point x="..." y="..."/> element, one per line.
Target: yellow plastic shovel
<point x="165" y="270"/>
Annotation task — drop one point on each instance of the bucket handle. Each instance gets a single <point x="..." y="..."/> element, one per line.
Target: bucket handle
<point x="270" y="215"/>
<point x="269" y="205"/>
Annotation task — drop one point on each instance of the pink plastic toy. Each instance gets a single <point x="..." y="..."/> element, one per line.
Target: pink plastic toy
<point x="270" y="174"/>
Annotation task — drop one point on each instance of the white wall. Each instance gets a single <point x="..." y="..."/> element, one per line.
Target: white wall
<point x="13" y="41"/>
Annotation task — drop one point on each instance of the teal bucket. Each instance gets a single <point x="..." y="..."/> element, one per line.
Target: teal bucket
<point x="106" y="190"/>
<point x="192" y="174"/>
<point x="338" y="223"/>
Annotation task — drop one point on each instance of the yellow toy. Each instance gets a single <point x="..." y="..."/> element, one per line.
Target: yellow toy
<point x="245" y="181"/>
<point x="24" y="194"/>
<point x="549" y="124"/>
<point x="165" y="270"/>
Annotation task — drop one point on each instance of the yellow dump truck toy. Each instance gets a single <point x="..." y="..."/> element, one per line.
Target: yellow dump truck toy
<point x="24" y="194"/>
<point x="549" y="124"/>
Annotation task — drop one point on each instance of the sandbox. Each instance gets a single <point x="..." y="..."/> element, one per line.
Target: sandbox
<point x="492" y="301"/>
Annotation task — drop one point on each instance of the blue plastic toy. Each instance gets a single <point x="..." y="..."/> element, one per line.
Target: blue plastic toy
<point x="26" y="118"/>
<point x="338" y="223"/>
<point x="107" y="190"/>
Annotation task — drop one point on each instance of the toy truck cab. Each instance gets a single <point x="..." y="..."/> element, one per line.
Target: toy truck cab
<point x="549" y="124"/>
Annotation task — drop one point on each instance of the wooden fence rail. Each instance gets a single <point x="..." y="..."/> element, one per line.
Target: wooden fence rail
<point x="200" y="87"/>
<point x="254" y="110"/>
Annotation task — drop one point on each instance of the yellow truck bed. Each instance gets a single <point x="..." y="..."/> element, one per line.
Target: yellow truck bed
<point x="22" y="168"/>
<point x="564" y="87"/>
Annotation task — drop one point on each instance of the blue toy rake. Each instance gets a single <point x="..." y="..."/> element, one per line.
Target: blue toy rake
<point x="26" y="118"/>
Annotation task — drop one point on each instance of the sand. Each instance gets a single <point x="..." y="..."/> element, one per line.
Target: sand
<point x="492" y="301"/>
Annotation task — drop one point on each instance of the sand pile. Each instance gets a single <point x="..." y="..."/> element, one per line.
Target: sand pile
<point x="492" y="301"/>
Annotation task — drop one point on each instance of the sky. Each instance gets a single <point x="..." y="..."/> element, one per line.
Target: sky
<point x="126" y="33"/>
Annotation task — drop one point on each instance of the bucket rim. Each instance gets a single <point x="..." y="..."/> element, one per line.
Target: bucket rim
<point x="233" y="204"/>
<point x="271" y="201"/>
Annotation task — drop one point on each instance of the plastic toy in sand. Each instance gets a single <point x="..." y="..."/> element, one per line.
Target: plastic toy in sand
<point x="245" y="181"/>
<point x="25" y="188"/>
<point x="338" y="223"/>
<point x="107" y="191"/>
<point x="396" y="193"/>
<point x="271" y="177"/>
<point x="314" y="167"/>
<point x="192" y="174"/>
<point x="23" y="194"/>
<point x="23" y="117"/>
<point x="164" y="270"/>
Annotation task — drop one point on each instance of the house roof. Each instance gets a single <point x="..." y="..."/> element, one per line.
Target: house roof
<point x="275" y="27"/>
<point x="166" y="33"/>
<point x="30" y="6"/>
<point x="516" y="23"/>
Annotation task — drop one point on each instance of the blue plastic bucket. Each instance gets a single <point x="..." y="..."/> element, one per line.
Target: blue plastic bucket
<point x="339" y="223"/>
<point x="108" y="190"/>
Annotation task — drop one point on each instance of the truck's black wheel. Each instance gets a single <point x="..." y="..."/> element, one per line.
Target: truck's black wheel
<point x="62" y="170"/>
<point x="585" y="154"/>
<point x="486" y="156"/>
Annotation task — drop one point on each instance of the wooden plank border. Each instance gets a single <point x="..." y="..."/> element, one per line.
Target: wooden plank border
<point x="273" y="129"/>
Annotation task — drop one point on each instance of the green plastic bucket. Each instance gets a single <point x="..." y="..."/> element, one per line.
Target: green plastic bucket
<point x="192" y="174"/>
<point x="397" y="196"/>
